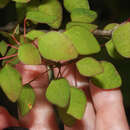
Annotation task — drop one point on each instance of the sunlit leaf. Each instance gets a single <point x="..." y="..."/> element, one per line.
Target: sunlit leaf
<point x="26" y="100"/>
<point x="83" y="15"/>
<point x="10" y="81"/>
<point x="58" y="92"/>
<point x="121" y="39"/>
<point x="67" y="119"/>
<point x="3" y="47"/>
<point x="83" y="40"/>
<point x="72" y="4"/>
<point x="77" y="104"/>
<point x="22" y="1"/>
<point x="89" y="66"/>
<point x="89" y="27"/>
<point x="29" y="54"/>
<point x="56" y="46"/>
<point x="110" y="26"/>
<point x="34" y="34"/>
<point x="109" y="79"/>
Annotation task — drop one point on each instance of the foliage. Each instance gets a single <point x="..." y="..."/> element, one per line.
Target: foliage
<point x="76" y="43"/>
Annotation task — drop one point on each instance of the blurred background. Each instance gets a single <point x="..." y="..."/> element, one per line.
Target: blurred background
<point x="116" y="11"/>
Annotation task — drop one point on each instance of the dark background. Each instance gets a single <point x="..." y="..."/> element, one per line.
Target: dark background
<point x="108" y="11"/>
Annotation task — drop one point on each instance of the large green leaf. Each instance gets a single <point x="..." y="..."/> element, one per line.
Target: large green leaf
<point x="22" y="1"/>
<point x="109" y="78"/>
<point x="58" y="92"/>
<point x="10" y="81"/>
<point x="89" y="66"/>
<point x="77" y="104"/>
<point x="67" y="119"/>
<point x="26" y="100"/>
<point x="34" y="34"/>
<point x="83" y="15"/>
<point x="56" y="46"/>
<point x="89" y="27"/>
<point x="52" y="8"/>
<point x="72" y="4"/>
<point x="3" y="3"/>
<point x="29" y="54"/>
<point x="83" y="40"/>
<point x="3" y="47"/>
<point x="121" y="39"/>
<point x="110" y="26"/>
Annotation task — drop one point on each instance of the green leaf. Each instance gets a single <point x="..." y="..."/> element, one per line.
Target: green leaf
<point x="22" y="1"/>
<point x="109" y="79"/>
<point x="89" y="27"/>
<point x="3" y="3"/>
<point x="89" y="66"/>
<point x="10" y="81"/>
<point x="121" y="39"/>
<point x="26" y="100"/>
<point x="83" y="40"/>
<point x="29" y="54"/>
<point x="110" y="26"/>
<point x="83" y="15"/>
<point x="3" y="47"/>
<point x="77" y="104"/>
<point x="111" y="50"/>
<point x="67" y="119"/>
<point x="72" y="4"/>
<point x="56" y="46"/>
<point x="52" y="8"/>
<point x="34" y="34"/>
<point x="58" y="92"/>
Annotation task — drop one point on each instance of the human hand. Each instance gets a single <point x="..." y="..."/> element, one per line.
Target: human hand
<point x="104" y="109"/>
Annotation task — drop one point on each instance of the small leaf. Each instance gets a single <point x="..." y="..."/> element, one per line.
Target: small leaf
<point x="83" y="15"/>
<point x="77" y="104"/>
<point x="33" y="34"/>
<point x="58" y="92"/>
<point x="89" y="27"/>
<point x="111" y="26"/>
<point x="3" y="47"/>
<point x="83" y="40"/>
<point x="111" y="50"/>
<point x="3" y="3"/>
<point x="28" y="54"/>
<point x="89" y="66"/>
<point x="72" y="4"/>
<point x="121" y="39"/>
<point x="56" y="46"/>
<point x="109" y="78"/>
<point x="67" y="119"/>
<point x="22" y="1"/>
<point x="26" y="100"/>
<point x="10" y="81"/>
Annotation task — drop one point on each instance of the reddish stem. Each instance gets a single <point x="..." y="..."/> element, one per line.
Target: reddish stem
<point x="12" y="46"/>
<point x="6" y="57"/>
<point x="17" y="42"/>
<point x="10" y="60"/>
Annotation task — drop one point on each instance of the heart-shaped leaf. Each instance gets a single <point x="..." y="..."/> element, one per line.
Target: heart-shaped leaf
<point x="83" y="40"/>
<point x="89" y="27"/>
<point x="109" y="78"/>
<point x="56" y="46"/>
<point x="52" y="8"/>
<point x="28" y="54"/>
<point x="77" y="104"/>
<point x="26" y="100"/>
<point x="34" y="34"/>
<point x="83" y="15"/>
<point x="67" y="119"/>
<point x="10" y="81"/>
<point x="72" y="4"/>
<point x="3" y="47"/>
<point x="22" y="1"/>
<point x="89" y="66"/>
<point x="121" y="39"/>
<point x="58" y="92"/>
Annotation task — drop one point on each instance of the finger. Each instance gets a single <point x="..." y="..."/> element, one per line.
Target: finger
<point x="6" y="120"/>
<point x="42" y="116"/>
<point x="110" y="114"/>
<point x="75" y="79"/>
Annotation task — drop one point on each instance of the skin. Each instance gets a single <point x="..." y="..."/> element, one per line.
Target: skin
<point x="104" y="110"/>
